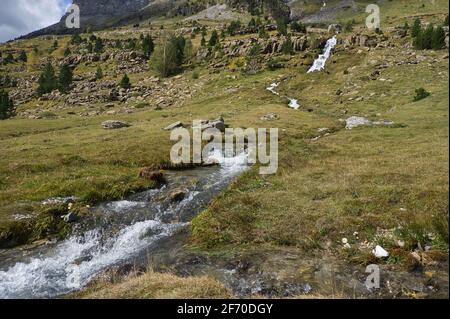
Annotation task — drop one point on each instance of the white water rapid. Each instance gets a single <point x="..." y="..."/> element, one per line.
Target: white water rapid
<point x="123" y="230"/>
<point x="319" y="63"/>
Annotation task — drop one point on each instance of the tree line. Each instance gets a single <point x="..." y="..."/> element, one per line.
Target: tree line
<point x="429" y="37"/>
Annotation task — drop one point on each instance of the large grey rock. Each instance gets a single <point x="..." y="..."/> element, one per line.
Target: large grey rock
<point x="111" y="125"/>
<point x="334" y="28"/>
<point x="173" y="126"/>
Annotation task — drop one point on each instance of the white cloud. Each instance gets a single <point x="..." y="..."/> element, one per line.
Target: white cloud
<point x="19" y="17"/>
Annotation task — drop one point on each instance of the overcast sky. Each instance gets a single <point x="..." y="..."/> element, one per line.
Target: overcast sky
<point x="19" y="17"/>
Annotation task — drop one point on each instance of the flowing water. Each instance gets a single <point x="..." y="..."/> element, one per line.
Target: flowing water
<point x="319" y="63"/>
<point x="293" y="103"/>
<point x="114" y="233"/>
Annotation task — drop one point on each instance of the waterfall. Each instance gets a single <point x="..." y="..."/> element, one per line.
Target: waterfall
<point x="319" y="63"/>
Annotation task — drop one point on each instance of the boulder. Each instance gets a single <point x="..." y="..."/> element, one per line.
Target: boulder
<point x="111" y="124"/>
<point x="178" y="195"/>
<point x="334" y="28"/>
<point x="173" y="126"/>
<point x="153" y="175"/>
<point x="270" y="117"/>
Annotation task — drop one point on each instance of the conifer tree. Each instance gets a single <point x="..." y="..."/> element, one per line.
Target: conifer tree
<point x="65" y="78"/>
<point x="148" y="46"/>
<point x="6" y="105"/>
<point x="99" y="73"/>
<point x="416" y="28"/>
<point x="125" y="82"/>
<point x="47" y="81"/>
<point x="438" y="39"/>
<point x="23" y="56"/>
<point x="214" y="39"/>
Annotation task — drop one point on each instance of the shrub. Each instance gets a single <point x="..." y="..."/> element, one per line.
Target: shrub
<point x="262" y="33"/>
<point x="298" y="27"/>
<point x="281" y="27"/>
<point x="287" y="47"/>
<point x="188" y="51"/>
<point x="99" y="73"/>
<point x="89" y="47"/>
<point x="272" y="64"/>
<point x="234" y="27"/>
<point x="125" y="82"/>
<point x="421" y="94"/>
<point x="98" y="46"/>
<point x="76" y="39"/>
<point x="6" y="106"/>
<point x="23" y="56"/>
<point x="9" y="59"/>
<point x="67" y="52"/>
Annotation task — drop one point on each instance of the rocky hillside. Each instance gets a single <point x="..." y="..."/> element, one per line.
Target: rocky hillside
<point x="100" y="14"/>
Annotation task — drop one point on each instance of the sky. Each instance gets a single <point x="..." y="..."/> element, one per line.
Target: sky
<point x="19" y="17"/>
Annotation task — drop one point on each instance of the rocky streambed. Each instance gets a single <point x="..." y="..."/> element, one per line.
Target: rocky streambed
<point x="115" y="234"/>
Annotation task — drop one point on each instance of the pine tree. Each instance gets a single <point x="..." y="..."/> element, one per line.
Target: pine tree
<point x="9" y="59"/>
<point x="148" y="46"/>
<point x="252" y="65"/>
<point x="6" y="106"/>
<point x="428" y="37"/>
<point x="125" y="82"/>
<point x="438" y="39"/>
<point x="166" y="58"/>
<point x="23" y="57"/>
<point x="234" y="27"/>
<point x="131" y="44"/>
<point x="262" y="33"/>
<point x="98" y="46"/>
<point x="416" y="28"/>
<point x="406" y="26"/>
<point x="99" y="73"/>
<point x="89" y="47"/>
<point x="281" y="27"/>
<point x="258" y="22"/>
<point x="47" y="80"/>
<point x="65" y="78"/>
<point x="214" y="39"/>
<point x="67" y="52"/>
<point x="287" y="46"/>
<point x="188" y="50"/>
<point x="203" y="41"/>
<point x="298" y="27"/>
<point x="76" y="39"/>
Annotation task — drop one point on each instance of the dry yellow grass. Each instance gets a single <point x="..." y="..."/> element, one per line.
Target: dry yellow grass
<point x="153" y="285"/>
